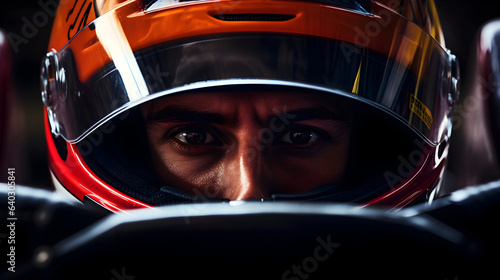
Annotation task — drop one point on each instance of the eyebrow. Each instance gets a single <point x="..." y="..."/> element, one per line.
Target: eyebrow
<point x="173" y="114"/>
<point x="182" y="114"/>
<point x="313" y="113"/>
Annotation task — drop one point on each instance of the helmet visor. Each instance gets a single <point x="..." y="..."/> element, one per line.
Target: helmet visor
<point x="408" y="82"/>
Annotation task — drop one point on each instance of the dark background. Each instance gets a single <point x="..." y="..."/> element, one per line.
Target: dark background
<point x="460" y="19"/>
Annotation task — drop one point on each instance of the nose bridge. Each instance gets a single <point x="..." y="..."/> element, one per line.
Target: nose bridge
<point x="250" y="169"/>
<point x="246" y="174"/>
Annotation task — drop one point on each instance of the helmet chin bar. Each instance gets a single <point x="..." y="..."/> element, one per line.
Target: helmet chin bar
<point x="325" y="193"/>
<point x="61" y="189"/>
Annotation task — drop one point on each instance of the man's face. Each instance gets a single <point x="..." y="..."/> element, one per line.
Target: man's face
<point x="247" y="145"/>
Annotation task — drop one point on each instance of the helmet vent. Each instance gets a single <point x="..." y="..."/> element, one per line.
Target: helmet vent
<point x="253" y="17"/>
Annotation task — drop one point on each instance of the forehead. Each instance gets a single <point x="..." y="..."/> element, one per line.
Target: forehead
<point x="261" y="100"/>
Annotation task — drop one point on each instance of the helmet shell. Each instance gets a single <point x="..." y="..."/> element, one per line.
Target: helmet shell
<point x="361" y="23"/>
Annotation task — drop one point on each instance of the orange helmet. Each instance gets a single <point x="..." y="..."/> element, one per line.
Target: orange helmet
<point x="387" y="58"/>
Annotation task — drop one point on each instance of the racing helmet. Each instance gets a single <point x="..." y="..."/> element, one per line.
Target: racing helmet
<point x="384" y="61"/>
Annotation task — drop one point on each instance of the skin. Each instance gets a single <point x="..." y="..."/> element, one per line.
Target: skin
<point x="247" y="145"/>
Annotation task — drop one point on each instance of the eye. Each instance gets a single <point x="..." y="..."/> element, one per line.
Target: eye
<point x="299" y="136"/>
<point x="196" y="136"/>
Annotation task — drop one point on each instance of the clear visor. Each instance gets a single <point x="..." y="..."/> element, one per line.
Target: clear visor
<point x="410" y="82"/>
